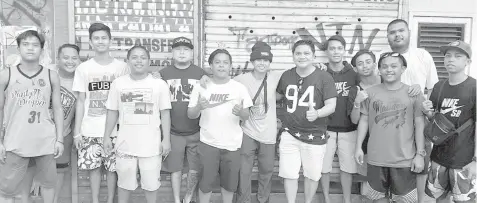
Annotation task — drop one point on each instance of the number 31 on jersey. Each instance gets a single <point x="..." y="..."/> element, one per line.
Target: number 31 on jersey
<point x="292" y="95"/>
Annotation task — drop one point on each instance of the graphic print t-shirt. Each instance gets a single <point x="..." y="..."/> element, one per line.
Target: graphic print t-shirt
<point x="262" y="124"/>
<point x="219" y="127"/>
<point x="68" y="101"/>
<point x="391" y="115"/>
<point x="181" y="82"/>
<point x="318" y="86"/>
<point x="95" y="80"/>
<point x="457" y="103"/>
<point x="139" y="103"/>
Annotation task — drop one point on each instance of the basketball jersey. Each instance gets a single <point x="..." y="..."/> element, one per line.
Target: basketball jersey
<point x="29" y="129"/>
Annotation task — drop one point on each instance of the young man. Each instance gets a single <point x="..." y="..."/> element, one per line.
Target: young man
<point x="68" y="60"/>
<point x="92" y="82"/>
<point x="420" y="74"/>
<point x="341" y="129"/>
<point x="181" y="78"/>
<point x="365" y="63"/>
<point x="260" y="130"/>
<point x="142" y="105"/>
<point x="221" y="107"/>
<point x="453" y="167"/>
<point x="310" y="96"/>
<point x="396" y="143"/>
<point x="29" y="137"/>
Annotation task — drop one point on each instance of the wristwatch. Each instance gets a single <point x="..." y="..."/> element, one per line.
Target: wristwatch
<point x="422" y="153"/>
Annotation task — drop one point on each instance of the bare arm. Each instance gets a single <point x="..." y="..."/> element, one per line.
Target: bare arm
<point x="193" y="112"/>
<point x="419" y="132"/>
<point x="79" y="112"/>
<point x="3" y="84"/>
<point x="329" y="108"/>
<point x="166" y="125"/>
<point x="57" y="107"/>
<point x="362" y="130"/>
<point x="355" y="113"/>
<point x="111" y="121"/>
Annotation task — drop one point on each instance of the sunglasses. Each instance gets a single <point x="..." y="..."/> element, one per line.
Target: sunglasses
<point x="393" y="54"/>
<point x="300" y="85"/>
<point x="388" y="54"/>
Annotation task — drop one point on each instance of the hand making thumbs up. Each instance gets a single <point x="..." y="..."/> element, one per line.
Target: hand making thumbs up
<point x="311" y="114"/>
<point x="360" y="96"/>
<point x="238" y="108"/>
<point x="203" y="102"/>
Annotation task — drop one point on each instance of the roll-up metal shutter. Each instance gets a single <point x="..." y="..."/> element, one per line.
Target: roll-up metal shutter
<point x="237" y="24"/>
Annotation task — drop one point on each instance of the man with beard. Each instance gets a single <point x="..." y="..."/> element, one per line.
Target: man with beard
<point x="420" y="74"/>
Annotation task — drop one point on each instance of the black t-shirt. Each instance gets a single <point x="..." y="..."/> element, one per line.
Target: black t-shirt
<point x="297" y="91"/>
<point x="457" y="103"/>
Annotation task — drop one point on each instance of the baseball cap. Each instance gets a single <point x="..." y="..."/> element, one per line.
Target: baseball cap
<point x="261" y="50"/>
<point x="182" y="41"/>
<point x="336" y="38"/>
<point x="459" y="45"/>
<point x="361" y="52"/>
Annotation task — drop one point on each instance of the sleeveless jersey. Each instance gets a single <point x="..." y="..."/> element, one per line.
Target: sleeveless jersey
<point x="29" y="128"/>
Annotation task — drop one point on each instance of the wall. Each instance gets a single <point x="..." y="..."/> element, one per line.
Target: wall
<point x="17" y="16"/>
<point x="454" y="8"/>
<point x="151" y="23"/>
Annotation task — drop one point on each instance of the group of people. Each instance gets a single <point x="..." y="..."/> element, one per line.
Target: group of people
<point x="127" y="119"/>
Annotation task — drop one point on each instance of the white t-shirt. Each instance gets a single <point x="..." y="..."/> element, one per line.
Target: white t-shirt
<point x="262" y="125"/>
<point x="219" y="127"/>
<point x="139" y="103"/>
<point x="420" y="69"/>
<point x="95" y="80"/>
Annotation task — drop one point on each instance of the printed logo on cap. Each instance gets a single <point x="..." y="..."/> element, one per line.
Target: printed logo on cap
<point x="265" y="54"/>
<point x="183" y="40"/>
<point x="456" y="43"/>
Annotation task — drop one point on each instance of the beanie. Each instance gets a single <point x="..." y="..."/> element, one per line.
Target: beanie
<point x="261" y="50"/>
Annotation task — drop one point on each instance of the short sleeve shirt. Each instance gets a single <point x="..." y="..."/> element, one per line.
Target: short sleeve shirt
<point x="262" y="124"/>
<point x="219" y="127"/>
<point x="456" y="103"/>
<point x="317" y="87"/>
<point x="139" y="103"/>
<point x="95" y="80"/>
<point x="181" y="82"/>
<point x="391" y="115"/>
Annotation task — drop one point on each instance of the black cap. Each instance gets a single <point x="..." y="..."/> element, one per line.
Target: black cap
<point x="182" y="41"/>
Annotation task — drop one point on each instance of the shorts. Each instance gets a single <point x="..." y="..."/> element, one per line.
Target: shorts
<point x="295" y="153"/>
<point x="220" y="163"/>
<point x="63" y="162"/>
<point x="149" y="169"/>
<point x="442" y="180"/>
<point x="182" y="147"/>
<point x="13" y="171"/>
<point x="397" y="184"/>
<point x="91" y="155"/>
<point x="344" y="144"/>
